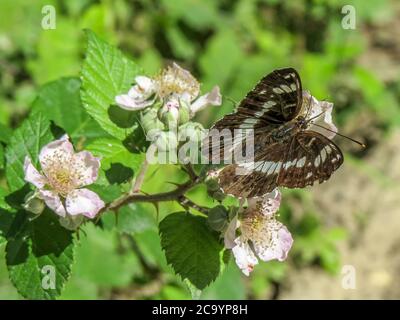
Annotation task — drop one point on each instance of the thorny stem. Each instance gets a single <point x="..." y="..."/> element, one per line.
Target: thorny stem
<point x="152" y="198"/>
<point x="190" y="171"/>
<point x="186" y="203"/>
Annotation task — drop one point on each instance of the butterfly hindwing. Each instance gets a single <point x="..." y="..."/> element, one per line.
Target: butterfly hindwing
<point x="254" y="178"/>
<point x="311" y="157"/>
<point x="305" y="158"/>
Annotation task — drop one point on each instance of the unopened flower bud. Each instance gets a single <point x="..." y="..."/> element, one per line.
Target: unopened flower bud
<point x="166" y="141"/>
<point x="192" y="131"/>
<point x="184" y="111"/>
<point x="33" y="203"/>
<point x="71" y="222"/>
<point x="169" y="113"/>
<point x="150" y="121"/>
<point x="213" y="188"/>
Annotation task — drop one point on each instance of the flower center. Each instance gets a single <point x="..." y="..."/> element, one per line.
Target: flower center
<point x="176" y="81"/>
<point x="62" y="173"/>
<point x="254" y="227"/>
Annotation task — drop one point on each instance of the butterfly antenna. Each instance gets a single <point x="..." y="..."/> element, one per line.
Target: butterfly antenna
<point x="310" y="120"/>
<point x="342" y="135"/>
<point x="309" y="106"/>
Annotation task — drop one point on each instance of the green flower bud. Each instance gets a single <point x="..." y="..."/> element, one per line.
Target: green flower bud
<point x="192" y="131"/>
<point x="212" y="184"/>
<point x="33" y="203"/>
<point x="169" y="114"/>
<point x="166" y="141"/>
<point x="218" y="218"/>
<point x="184" y="112"/>
<point x="71" y="222"/>
<point x="218" y="195"/>
<point x="213" y="188"/>
<point x="149" y="119"/>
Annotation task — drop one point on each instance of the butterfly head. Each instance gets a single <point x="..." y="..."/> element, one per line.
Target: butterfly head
<point x="302" y="122"/>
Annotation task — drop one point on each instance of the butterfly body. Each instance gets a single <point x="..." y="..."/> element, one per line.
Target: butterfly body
<point x="287" y="151"/>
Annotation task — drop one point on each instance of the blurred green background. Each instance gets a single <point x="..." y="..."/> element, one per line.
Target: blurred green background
<point x="350" y="220"/>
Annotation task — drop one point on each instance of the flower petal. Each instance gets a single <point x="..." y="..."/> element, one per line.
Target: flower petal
<point x="279" y="245"/>
<point x="53" y="201"/>
<point x="85" y="202"/>
<point x="244" y="256"/>
<point x="128" y="103"/>
<point x="230" y="233"/>
<point x="267" y="205"/>
<point x="145" y="84"/>
<point x="321" y="111"/>
<point x="88" y="167"/>
<point x="59" y="151"/>
<point x="32" y="175"/>
<point x="212" y="98"/>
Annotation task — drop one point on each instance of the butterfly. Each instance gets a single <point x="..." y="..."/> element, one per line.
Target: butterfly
<point x="287" y="151"/>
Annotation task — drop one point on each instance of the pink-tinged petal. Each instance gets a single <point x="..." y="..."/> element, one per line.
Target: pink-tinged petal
<point x="59" y="151"/>
<point x="88" y="167"/>
<point x="128" y="103"/>
<point x="145" y="84"/>
<point x="244" y="256"/>
<point x="278" y="245"/>
<point x="321" y="113"/>
<point x="53" y="201"/>
<point x="32" y="175"/>
<point x="270" y="202"/>
<point x="212" y="98"/>
<point x="325" y="120"/>
<point x="230" y="233"/>
<point x="85" y="202"/>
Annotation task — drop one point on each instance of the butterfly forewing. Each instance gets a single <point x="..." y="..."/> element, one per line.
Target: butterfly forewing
<point x="274" y="100"/>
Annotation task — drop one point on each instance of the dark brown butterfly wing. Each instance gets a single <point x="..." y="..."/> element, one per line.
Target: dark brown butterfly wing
<point x="295" y="163"/>
<point x="311" y="157"/>
<point x="276" y="99"/>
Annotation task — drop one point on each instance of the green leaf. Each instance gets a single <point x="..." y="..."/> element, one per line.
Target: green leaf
<point x="61" y="102"/>
<point x="1" y="157"/>
<point x="57" y="53"/>
<point x="106" y="72"/>
<point x="191" y="248"/>
<point x="39" y="255"/>
<point x="6" y="217"/>
<point x="113" y="151"/>
<point x="27" y="140"/>
<point x="3" y="203"/>
<point x="102" y="259"/>
<point x="149" y="244"/>
<point x="228" y="286"/>
<point x="5" y="133"/>
<point x="133" y="218"/>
